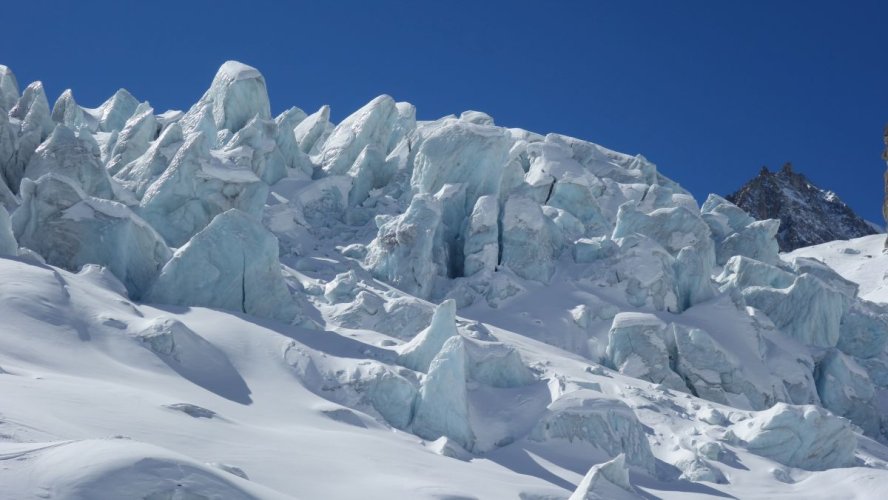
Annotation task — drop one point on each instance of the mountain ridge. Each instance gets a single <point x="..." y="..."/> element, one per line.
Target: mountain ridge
<point x="808" y="215"/>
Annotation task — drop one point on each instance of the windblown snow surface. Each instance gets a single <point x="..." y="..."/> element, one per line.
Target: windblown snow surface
<point x="223" y="304"/>
<point x="861" y="260"/>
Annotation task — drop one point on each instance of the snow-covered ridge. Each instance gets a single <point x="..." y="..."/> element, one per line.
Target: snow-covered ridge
<point x="862" y="261"/>
<point x="226" y="304"/>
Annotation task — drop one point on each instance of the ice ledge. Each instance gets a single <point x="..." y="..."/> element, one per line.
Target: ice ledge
<point x="237" y="71"/>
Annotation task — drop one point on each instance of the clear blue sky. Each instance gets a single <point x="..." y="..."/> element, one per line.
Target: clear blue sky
<point x="708" y="90"/>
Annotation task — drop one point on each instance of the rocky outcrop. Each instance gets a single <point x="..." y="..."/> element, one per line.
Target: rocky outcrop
<point x="808" y="215"/>
<point x="885" y="157"/>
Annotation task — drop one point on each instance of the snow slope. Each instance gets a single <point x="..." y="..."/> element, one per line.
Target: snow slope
<point x="860" y="260"/>
<point x="80" y="380"/>
<point x="393" y="308"/>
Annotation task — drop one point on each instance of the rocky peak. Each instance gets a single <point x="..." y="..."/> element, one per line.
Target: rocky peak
<point x="885" y="157"/>
<point x="808" y="214"/>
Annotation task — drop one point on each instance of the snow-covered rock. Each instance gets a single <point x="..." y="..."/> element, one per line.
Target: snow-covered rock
<point x="231" y="264"/>
<point x="69" y="229"/>
<point x="806" y="437"/>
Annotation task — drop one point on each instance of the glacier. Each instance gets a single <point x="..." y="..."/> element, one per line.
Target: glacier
<point x="637" y="346"/>
<point x="232" y="264"/>
<point x="64" y="154"/>
<point x="410" y="300"/>
<point x="607" y="480"/>
<point x="70" y="229"/>
<point x="196" y="187"/>
<point x="8" y="243"/>
<point x="799" y="436"/>
<point x="442" y="406"/>
<point x="422" y="349"/>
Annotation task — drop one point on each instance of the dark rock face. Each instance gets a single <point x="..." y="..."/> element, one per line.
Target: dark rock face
<point x="885" y="203"/>
<point x="808" y="215"/>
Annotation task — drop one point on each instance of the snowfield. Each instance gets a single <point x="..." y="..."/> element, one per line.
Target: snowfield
<point x="860" y="260"/>
<point x="221" y="304"/>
